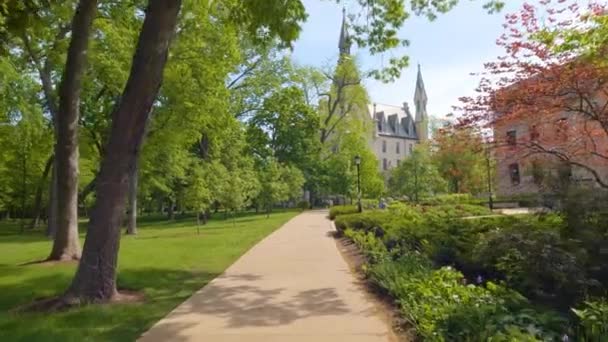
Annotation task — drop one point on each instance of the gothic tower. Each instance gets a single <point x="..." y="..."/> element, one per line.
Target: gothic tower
<point x="420" y="101"/>
<point x="344" y="43"/>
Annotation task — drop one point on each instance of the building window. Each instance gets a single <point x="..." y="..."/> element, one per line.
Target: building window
<point x="512" y="138"/>
<point x="398" y="147"/>
<point x="384" y="164"/>
<point x="534" y="133"/>
<point x="379" y="126"/>
<point x="383" y="146"/>
<point x="514" y="173"/>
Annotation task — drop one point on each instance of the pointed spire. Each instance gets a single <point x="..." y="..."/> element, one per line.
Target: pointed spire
<point x="344" y="43"/>
<point x="420" y="98"/>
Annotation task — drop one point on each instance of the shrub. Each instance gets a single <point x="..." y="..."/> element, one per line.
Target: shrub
<point x="593" y="320"/>
<point x="338" y="210"/>
<point x="373" y="249"/>
<point x="452" y="199"/>
<point x="457" y="210"/>
<point x="535" y="262"/>
<point x="444" y="309"/>
<point x="304" y="205"/>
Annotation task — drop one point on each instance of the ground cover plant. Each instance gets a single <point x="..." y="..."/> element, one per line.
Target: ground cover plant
<point x="458" y="277"/>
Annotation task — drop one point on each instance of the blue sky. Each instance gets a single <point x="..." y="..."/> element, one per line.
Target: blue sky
<point x="448" y="49"/>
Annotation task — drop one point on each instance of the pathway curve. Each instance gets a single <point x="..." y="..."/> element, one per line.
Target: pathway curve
<point x="292" y="286"/>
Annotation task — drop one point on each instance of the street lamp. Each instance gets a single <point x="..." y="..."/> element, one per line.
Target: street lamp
<point x="358" y="163"/>
<point x="489" y="169"/>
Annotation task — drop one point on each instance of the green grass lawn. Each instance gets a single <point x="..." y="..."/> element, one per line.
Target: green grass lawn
<point x="168" y="261"/>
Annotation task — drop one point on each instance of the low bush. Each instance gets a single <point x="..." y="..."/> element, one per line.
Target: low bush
<point x="593" y="320"/>
<point x="457" y="210"/>
<point x="420" y="255"/>
<point x="338" y="210"/>
<point x="443" y="308"/>
<point x="303" y="205"/>
<point x="535" y="262"/>
<point x="369" y="221"/>
<point x="452" y="199"/>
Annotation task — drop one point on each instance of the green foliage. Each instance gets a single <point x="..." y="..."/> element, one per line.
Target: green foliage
<point x="526" y="254"/>
<point x="593" y="320"/>
<point x="417" y="177"/>
<point x="443" y="308"/>
<point x="278" y="183"/>
<point x="303" y="205"/>
<point x="285" y="128"/>
<point x="337" y="210"/>
<point x="451" y="199"/>
<point x="533" y="261"/>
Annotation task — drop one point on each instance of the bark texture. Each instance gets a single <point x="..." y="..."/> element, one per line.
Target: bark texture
<point x="51" y="227"/>
<point x="66" y="245"/>
<point x="39" y="189"/>
<point x="132" y="213"/>
<point x="95" y="279"/>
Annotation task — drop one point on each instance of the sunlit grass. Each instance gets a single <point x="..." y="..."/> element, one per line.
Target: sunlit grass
<point x="168" y="261"/>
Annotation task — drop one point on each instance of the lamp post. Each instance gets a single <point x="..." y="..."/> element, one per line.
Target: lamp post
<point x="358" y="163"/>
<point x="488" y="169"/>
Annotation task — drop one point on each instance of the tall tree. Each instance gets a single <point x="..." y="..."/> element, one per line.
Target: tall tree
<point x="459" y="156"/>
<point x="417" y="176"/>
<point x="553" y="81"/>
<point x="66" y="244"/>
<point x="95" y="279"/>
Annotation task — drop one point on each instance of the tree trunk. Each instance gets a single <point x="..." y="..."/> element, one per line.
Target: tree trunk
<point x="132" y="213"/>
<point x="38" y="200"/>
<point x="89" y="188"/>
<point x="66" y="245"/>
<point x="51" y="228"/>
<point x="170" y="211"/>
<point x="95" y="279"/>
<point x="23" y="187"/>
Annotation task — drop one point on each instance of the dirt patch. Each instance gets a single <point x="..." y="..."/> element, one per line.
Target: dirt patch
<point x="61" y="303"/>
<point x="402" y="331"/>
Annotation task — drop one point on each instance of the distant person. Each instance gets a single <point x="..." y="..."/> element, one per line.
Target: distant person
<point x="382" y="204"/>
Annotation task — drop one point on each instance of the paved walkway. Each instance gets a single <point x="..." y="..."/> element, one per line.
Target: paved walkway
<point x="292" y="286"/>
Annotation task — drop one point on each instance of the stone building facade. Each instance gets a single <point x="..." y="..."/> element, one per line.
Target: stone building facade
<point x="395" y="130"/>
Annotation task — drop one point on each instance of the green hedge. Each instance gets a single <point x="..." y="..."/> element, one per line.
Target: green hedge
<point x="338" y="210"/>
<point x="453" y="199"/>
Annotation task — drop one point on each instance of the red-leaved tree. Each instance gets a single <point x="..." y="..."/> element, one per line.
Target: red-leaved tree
<point x="546" y="100"/>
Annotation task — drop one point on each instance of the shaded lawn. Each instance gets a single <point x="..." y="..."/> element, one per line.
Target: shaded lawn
<point x="168" y="261"/>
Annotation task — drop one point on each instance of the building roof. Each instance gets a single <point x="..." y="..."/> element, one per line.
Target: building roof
<point x="393" y="121"/>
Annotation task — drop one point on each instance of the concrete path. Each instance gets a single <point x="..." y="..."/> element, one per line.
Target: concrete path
<point x="292" y="286"/>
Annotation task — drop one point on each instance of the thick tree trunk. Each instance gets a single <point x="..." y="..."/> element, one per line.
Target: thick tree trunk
<point x="95" y="279"/>
<point x="51" y="228"/>
<point x="66" y="245"/>
<point x="132" y="213"/>
<point x="38" y="199"/>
